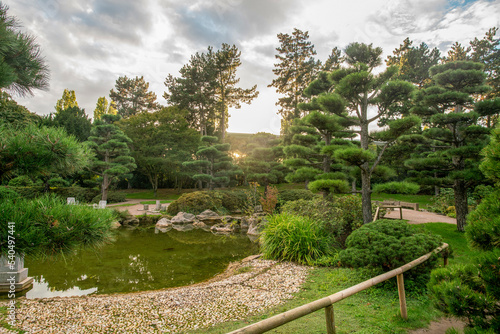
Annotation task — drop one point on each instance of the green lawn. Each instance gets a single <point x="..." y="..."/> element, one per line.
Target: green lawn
<point x="375" y="310"/>
<point x="163" y="201"/>
<point x="163" y="194"/>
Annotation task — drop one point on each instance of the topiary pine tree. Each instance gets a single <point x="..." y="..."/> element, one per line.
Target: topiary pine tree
<point x="348" y="93"/>
<point x="456" y="137"/>
<point x="112" y="155"/>
<point x="213" y="164"/>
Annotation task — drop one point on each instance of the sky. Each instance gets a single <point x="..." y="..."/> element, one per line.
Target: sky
<point x="88" y="44"/>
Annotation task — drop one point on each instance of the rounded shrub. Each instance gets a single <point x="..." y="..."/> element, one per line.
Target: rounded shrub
<point x="405" y="188"/>
<point x="385" y="245"/>
<point x="294" y="238"/>
<point x="483" y="224"/>
<point x="195" y="203"/>
<point x="233" y="200"/>
<point x="289" y="195"/>
<point x="21" y="181"/>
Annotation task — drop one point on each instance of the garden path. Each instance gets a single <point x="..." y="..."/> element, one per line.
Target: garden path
<point x="421" y="217"/>
<point x="133" y="206"/>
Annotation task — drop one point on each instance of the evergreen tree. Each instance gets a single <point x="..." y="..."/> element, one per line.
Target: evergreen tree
<point x="22" y="67"/>
<point x="74" y="120"/>
<point x="457" y="53"/>
<point x="456" y="139"/>
<point x="132" y="96"/>
<point x="160" y="142"/>
<point x="345" y="96"/>
<point x="112" y="154"/>
<point x="414" y="62"/>
<point x="295" y="70"/>
<point x="104" y="107"/>
<point x="227" y="60"/>
<point x="14" y="114"/>
<point x="213" y="165"/>
<point x="194" y="91"/>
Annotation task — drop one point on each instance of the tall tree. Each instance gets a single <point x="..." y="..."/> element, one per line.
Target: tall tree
<point x="447" y="109"/>
<point x="161" y="141"/>
<point x="132" y="96"/>
<point x="104" y="107"/>
<point x="348" y="93"/>
<point x="295" y="70"/>
<point x="194" y="91"/>
<point x="68" y="100"/>
<point x="15" y="114"/>
<point x="227" y="60"/>
<point x="74" y="120"/>
<point x="414" y="62"/>
<point x="112" y="154"/>
<point x="458" y="52"/>
<point x="22" y="66"/>
<point x="487" y="52"/>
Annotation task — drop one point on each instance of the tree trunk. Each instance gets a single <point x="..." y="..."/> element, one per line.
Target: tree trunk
<point x="366" y="200"/>
<point x="105" y="185"/>
<point x="461" y="207"/>
<point x="353" y="187"/>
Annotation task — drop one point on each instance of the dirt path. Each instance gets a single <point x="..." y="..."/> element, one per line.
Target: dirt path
<point x="421" y="217"/>
<point x="136" y="209"/>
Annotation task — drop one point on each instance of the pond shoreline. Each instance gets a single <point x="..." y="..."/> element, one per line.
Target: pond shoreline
<point x="246" y="287"/>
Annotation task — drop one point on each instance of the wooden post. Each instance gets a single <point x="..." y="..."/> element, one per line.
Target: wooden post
<point x="400" y="212"/>
<point x="402" y="297"/>
<point x="330" y="320"/>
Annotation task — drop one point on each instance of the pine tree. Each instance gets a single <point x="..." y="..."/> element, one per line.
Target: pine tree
<point x="295" y="70"/>
<point x="132" y="96"/>
<point x="22" y="66"/>
<point x="456" y="138"/>
<point x="347" y="94"/>
<point x="112" y="154"/>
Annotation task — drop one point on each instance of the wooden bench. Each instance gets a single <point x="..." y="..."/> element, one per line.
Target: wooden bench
<point x="394" y="205"/>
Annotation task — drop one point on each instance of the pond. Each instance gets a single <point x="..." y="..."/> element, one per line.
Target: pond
<point x="138" y="260"/>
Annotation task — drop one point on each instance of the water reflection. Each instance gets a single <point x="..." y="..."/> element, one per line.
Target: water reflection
<point x="138" y="260"/>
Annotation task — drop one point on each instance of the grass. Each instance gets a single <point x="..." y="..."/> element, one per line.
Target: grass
<point x="165" y="194"/>
<point x="424" y="201"/>
<point x="375" y="310"/>
<point x="161" y="201"/>
<point x="4" y="321"/>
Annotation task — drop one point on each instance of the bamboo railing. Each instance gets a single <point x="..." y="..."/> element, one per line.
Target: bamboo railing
<point x="327" y="302"/>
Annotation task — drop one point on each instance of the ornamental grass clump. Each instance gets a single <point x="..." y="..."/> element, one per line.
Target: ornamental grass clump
<point x="294" y="238"/>
<point x="47" y="225"/>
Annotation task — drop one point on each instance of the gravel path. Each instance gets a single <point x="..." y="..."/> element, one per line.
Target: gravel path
<point x="421" y="217"/>
<point x="246" y="288"/>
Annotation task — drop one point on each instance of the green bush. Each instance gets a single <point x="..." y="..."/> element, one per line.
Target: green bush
<point x="21" y="181"/>
<point x="233" y="200"/>
<point x="470" y="291"/>
<point x="82" y="195"/>
<point x="47" y="225"/>
<point x="195" y="203"/>
<point x="58" y="182"/>
<point x="289" y="195"/>
<point x="483" y="224"/>
<point x="339" y="217"/>
<point x="113" y="197"/>
<point x="385" y="245"/>
<point x="8" y="193"/>
<point x="294" y="238"/>
<point x="405" y="188"/>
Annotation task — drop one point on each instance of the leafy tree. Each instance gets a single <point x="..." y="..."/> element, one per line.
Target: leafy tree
<point x="295" y="70"/>
<point x="213" y="164"/>
<point x="194" y="91"/>
<point x="68" y="100"/>
<point x="22" y="67"/>
<point x="112" y="155"/>
<point x="227" y="60"/>
<point x="132" y="96"/>
<point x="40" y="151"/>
<point x="15" y="114"/>
<point x="104" y="107"/>
<point x="456" y="138"/>
<point x="345" y="96"/>
<point x="160" y="142"/>
<point x="414" y="62"/>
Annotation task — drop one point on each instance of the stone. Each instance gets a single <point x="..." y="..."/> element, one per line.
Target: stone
<point x="130" y="221"/>
<point x="183" y="218"/>
<point x="208" y="215"/>
<point x="253" y="226"/>
<point x="115" y="225"/>
<point x="201" y="225"/>
<point x="183" y="227"/>
<point x="163" y="223"/>
<point x="221" y="229"/>
<point x="162" y="229"/>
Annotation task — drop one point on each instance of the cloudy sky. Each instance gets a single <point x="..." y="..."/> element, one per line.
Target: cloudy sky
<point x="88" y="44"/>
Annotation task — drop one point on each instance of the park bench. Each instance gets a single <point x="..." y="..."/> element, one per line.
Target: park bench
<point x="394" y="205"/>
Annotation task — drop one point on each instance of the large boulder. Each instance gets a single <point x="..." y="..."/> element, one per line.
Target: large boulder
<point x="254" y="227"/>
<point x="209" y="217"/>
<point x="183" y="218"/>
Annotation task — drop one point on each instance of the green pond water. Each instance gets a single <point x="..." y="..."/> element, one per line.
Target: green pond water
<point x="138" y="260"/>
